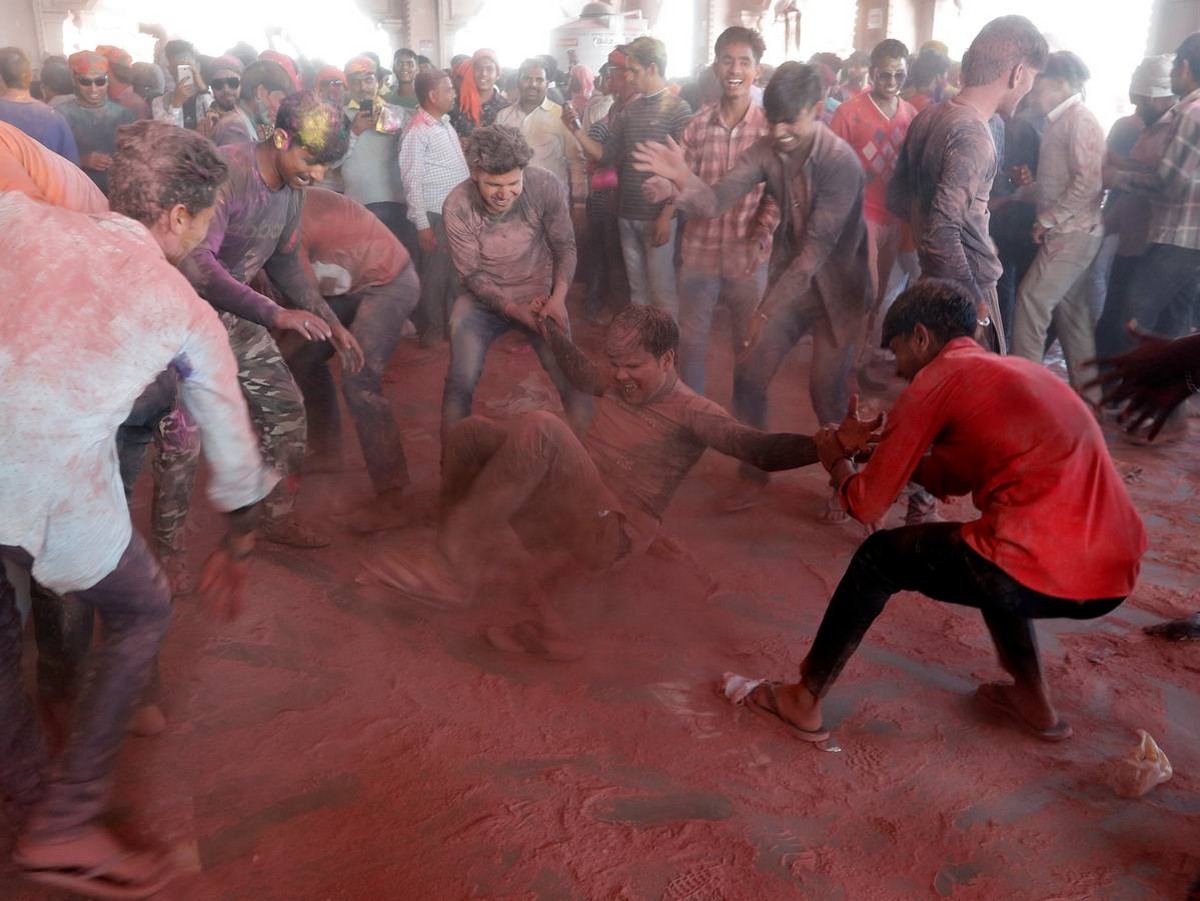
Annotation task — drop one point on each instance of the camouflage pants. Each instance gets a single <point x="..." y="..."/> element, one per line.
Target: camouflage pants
<point x="276" y="409"/>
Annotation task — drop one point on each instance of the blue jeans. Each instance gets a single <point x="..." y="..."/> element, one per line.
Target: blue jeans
<point x="473" y="328"/>
<point x="651" y="269"/>
<point x="701" y="292"/>
<point x="828" y="379"/>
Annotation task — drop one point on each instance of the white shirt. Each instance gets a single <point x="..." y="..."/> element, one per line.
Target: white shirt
<point x="431" y="165"/>
<point x="91" y="313"/>
<point x="554" y="146"/>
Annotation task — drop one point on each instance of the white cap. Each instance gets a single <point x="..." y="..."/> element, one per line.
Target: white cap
<point x="1152" y="77"/>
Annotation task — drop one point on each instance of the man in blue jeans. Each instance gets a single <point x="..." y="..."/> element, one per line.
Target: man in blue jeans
<point x="725" y="259"/>
<point x="647" y="227"/>
<point x="511" y="241"/>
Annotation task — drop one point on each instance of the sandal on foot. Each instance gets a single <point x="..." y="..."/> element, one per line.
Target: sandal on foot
<point x="771" y="709"/>
<point x="995" y="696"/>
<point x="99" y="881"/>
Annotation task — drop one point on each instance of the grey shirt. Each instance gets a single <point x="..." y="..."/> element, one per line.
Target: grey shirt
<point x="941" y="186"/>
<point x="95" y="131"/>
<point x="821" y="242"/>
<point x="518" y="255"/>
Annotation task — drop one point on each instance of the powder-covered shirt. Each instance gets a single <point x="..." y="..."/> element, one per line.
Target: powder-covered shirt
<point x="821" y="243"/>
<point x="653" y="118"/>
<point x="32" y="169"/>
<point x="1174" y="182"/>
<point x="721" y="245"/>
<point x="43" y="124"/>
<point x="235" y="127"/>
<point x="518" y="254"/>
<point x="1131" y="212"/>
<point x="80" y="345"/>
<point x="1054" y="513"/>
<point x="1068" y="187"/>
<point x="431" y="165"/>
<point x="877" y="141"/>
<point x="346" y="246"/>
<point x="554" y="147"/>
<point x="644" y="451"/>
<point x="251" y="225"/>
<point x="95" y="131"/>
<point x="941" y="186"/>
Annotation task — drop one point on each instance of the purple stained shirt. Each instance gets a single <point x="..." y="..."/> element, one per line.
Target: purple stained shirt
<point x="252" y="224"/>
<point x="42" y="124"/>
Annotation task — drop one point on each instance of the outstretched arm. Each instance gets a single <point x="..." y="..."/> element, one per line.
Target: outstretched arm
<point x="584" y="373"/>
<point x="769" y="451"/>
<point x="692" y="195"/>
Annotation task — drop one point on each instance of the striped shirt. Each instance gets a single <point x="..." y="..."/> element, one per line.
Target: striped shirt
<point x="651" y="118"/>
<point x="1174" y="183"/>
<point x="431" y="165"/>
<point x="718" y="246"/>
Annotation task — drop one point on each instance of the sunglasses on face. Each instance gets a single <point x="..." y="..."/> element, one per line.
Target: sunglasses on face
<point x="332" y="83"/>
<point x="889" y="76"/>
<point x="232" y="82"/>
<point x="99" y="81"/>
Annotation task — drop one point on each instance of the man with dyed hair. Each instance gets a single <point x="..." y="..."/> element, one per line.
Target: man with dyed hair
<point x="257" y="227"/>
<point x="94" y="119"/>
<point x="943" y="177"/>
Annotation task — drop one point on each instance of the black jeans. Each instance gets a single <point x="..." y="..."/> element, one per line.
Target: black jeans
<point x="934" y="560"/>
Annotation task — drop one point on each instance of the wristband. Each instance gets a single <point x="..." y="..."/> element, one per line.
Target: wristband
<point x="1190" y="382"/>
<point x="234" y="555"/>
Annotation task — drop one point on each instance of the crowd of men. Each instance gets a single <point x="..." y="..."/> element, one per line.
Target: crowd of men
<point x="248" y="218"/>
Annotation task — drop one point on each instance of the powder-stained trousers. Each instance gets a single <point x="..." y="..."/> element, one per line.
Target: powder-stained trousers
<point x="134" y="605"/>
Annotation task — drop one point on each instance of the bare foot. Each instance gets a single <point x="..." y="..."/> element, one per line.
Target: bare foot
<point x="421" y="573"/>
<point x="148" y="720"/>
<point x="95" y="863"/>
<point x="1186" y="629"/>
<point x="531" y="637"/>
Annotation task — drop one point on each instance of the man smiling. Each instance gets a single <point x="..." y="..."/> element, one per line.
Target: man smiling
<point x="94" y="119"/>
<point x="257" y="226"/>
<point x="511" y="241"/>
<point x="819" y="283"/>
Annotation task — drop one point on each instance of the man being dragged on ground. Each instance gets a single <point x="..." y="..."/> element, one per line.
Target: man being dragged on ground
<point x="584" y="504"/>
<point x="1057" y="535"/>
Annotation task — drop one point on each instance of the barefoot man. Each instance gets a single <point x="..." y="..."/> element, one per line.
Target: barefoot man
<point x="583" y="505"/>
<point x="1057" y="536"/>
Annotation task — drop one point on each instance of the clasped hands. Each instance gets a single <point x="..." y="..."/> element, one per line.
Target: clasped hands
<point x="536" y="312"/>
<point x="854" y="438"/>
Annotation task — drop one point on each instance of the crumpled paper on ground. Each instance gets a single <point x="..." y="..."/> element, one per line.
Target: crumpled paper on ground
<point x="1144" y="767"/>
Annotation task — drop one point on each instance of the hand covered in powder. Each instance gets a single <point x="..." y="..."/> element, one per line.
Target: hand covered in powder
<point x="666" y="160"/>
<point x="224" y="576"/>
<point x="856" y="435"/>
<point x="350" y="352"/>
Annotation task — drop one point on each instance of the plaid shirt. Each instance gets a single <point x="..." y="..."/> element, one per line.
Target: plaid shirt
<point x="719" y="246"/>
<point x="431" y="165"/>
<point x="1174" y="184"/>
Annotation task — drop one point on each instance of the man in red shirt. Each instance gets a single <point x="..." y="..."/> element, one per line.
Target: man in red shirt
<point x="874" y="123"/>
<point x="1057" y="535"/>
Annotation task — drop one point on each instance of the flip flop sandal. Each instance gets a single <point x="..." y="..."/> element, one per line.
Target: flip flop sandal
<point x="772" y="711"/>
<point x="95" y="882"/>
<point x="997" y="700"/>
